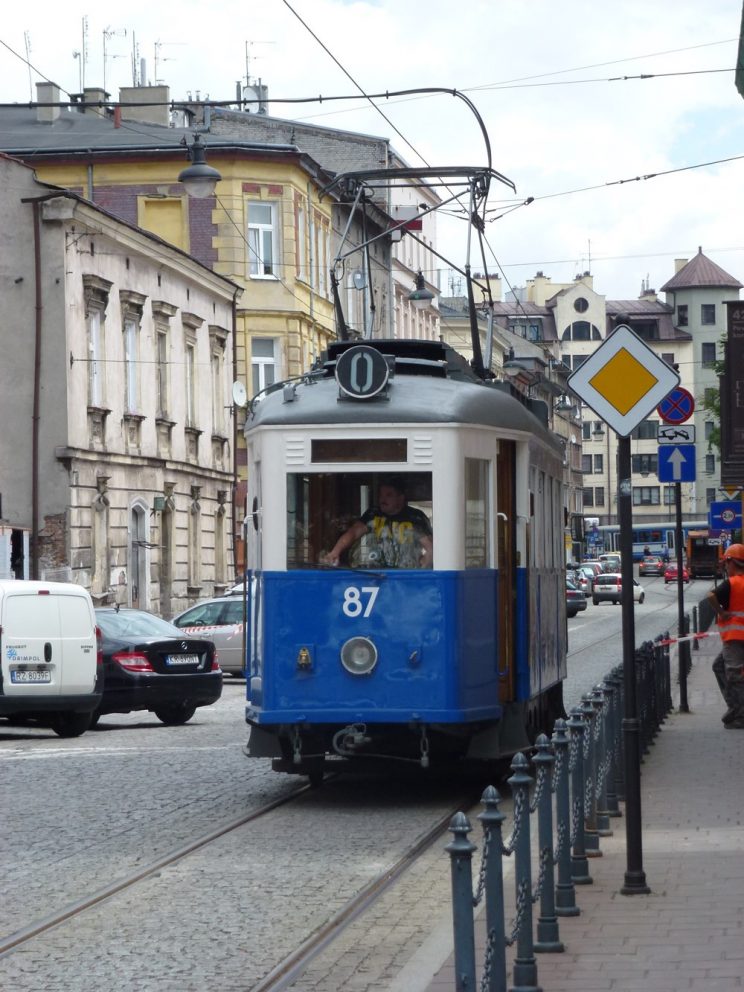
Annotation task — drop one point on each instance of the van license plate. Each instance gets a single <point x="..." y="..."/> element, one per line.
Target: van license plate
<point x="41" y="675"/>
<point x="182" y="659"/>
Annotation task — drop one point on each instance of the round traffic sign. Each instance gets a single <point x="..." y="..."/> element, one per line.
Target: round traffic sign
<point x="677" y="406"/>
<point x="728" y="515"/>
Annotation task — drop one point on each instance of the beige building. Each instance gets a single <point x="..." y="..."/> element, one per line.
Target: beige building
<point x="116" y="462"/>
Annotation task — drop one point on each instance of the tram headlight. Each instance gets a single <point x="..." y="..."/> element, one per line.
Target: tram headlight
<point x="359" y="656"/>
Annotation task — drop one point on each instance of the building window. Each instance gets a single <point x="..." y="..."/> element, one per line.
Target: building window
<point x="218" y="402"/>
<point x="708" y="428"/>
<point x="581" y="330"/>
<point x="708" y="354"/>
<point x="710" y="464"/>
<point x="301" y="245"/>
<point x="710" y="397"/>
<point x="645" y="495"/>
<point x="96" y="293"/>
<point x="599" y="496"/>
<point x="645" y="464"/>
<point x="190" y="383"/>
<point x="586" y="464"/>
<point x="95" y="358"/>
<point x="598" y="464"/>
<point x="707" y="313"/>
<point x="261" y="239"/>
<point x="668" y="357"/>
<point x="132" y="305"/>
<point x="588" y="496"/>
<point x="710" y="496"/>
<point x="263" y="363"/>
<point x="578" y="360"/>
<point x="647" y="430"/>
<point x="682" y="315"/>
<point x="131" y="385"/>
<point x="581" y="305"/>
<point x="586" y="430"/>
<point x="161" y="357"/>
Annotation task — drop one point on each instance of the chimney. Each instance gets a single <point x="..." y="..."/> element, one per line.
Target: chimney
<point x="95" y="94"/>
<point x="159" y="95"/>
<point x="47" y="93"/>
<point x="679" y="263"/>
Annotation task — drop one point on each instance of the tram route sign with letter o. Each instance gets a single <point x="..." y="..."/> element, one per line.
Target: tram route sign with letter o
<point x="362" y="372"/>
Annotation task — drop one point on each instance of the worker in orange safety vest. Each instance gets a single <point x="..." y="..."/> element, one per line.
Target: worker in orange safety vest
<point x="727" y="601"/>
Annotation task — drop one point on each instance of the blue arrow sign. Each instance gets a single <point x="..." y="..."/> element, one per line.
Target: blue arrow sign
<point x="677" y="463"/>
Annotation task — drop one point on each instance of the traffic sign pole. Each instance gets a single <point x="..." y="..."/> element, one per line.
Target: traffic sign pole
<point x="635" y="876"/>
<point x="684" y="649"/>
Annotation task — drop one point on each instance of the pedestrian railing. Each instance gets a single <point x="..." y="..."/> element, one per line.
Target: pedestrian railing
<point x="571" y="784"/>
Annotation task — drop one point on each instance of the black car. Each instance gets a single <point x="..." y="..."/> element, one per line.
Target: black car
<point x="148" y="664"/>
<point x="575" y="599"/>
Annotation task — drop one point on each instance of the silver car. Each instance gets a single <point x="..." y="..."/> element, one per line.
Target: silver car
<point x="219" y="620"/>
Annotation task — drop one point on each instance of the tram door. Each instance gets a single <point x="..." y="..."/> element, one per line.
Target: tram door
<point x="506" y="531"/>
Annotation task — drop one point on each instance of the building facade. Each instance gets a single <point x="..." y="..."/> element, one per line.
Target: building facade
<point x="686" y="329"/>
<point x="267" y="228"/>
<point x="117" y="463"/>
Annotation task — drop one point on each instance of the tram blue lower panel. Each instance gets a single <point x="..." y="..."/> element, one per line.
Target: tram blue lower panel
<point x="435" y="633"/>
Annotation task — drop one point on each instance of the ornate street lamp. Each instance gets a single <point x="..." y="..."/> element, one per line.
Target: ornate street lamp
<point x="199" y="178"/>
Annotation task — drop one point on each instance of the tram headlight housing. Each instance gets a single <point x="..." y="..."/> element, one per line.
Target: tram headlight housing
<point x="359" y="656"/>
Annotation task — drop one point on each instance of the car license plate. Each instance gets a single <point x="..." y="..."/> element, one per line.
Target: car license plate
<point x="30" y="675"/>
<point x="182" y="659"/>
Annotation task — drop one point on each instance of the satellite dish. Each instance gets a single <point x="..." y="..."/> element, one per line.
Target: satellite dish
<point x="359" y="279"/>
<point x="239" y="394"/>
<point x="573" y="439"/>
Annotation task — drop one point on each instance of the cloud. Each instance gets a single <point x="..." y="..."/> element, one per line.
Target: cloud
<point x="527" y="67"/>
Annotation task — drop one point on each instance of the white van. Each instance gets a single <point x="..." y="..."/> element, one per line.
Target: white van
<point x="50" y="664"/>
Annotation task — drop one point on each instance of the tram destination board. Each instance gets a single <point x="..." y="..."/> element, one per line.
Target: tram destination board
<point x="732" y="399"/>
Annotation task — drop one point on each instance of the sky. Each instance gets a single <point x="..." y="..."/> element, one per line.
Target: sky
<point x="569" y="121"/>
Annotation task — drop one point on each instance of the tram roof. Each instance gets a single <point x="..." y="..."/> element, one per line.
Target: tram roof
<point x="445" y="391"/>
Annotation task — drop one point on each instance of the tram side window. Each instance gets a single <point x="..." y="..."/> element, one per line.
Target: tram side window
<point x="477" y="514"/>
<point x="322" y="506"/>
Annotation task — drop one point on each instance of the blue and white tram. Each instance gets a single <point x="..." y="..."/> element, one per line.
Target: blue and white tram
<point x="649" y="537"/>
<point x="463" y="659"/>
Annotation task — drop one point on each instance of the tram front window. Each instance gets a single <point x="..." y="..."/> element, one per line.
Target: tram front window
<point x="359" y="520"/>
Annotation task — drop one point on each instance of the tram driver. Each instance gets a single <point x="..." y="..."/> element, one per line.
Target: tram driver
<point x="401" y="534"/>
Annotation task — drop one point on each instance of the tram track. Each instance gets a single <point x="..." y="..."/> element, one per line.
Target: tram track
<point x="287" y="972"/>
<point x="79" y="906"/>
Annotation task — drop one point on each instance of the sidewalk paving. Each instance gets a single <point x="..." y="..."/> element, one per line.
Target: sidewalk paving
<point x="689" y="932"/>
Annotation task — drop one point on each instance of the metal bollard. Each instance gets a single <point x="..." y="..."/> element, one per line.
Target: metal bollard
<point x="579" y="862"/>
<point x="548" y="937"/>
<point x="460" y="850"/>
<point x="591" y="834"/>
<point x="494" y="969"/>
<point x="609" y="688"/>
<point x="565" y="894"/>
<point x="619" y="681"/>
<point x="525" y="965"/>
<point x="603" y="816"/>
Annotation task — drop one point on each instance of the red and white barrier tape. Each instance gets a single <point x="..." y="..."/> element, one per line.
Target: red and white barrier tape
<point x="688" y="637"/>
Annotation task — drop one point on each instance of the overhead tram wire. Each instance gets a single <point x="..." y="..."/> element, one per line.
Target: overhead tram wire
<point x="348" y="75"/>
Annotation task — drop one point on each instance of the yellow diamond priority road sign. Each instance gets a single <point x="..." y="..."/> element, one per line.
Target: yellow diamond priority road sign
<point x="623" y="381"/>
